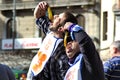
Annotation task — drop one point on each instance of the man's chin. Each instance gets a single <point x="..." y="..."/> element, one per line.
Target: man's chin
<point x="53" y="29"/>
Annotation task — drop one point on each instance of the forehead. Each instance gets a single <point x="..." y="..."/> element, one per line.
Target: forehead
<point x="62" y="15"/>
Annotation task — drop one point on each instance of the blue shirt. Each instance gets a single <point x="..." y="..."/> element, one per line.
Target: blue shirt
<point x="112" y="68"/>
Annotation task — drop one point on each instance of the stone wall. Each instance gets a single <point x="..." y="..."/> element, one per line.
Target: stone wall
<point x="17" y="59"/>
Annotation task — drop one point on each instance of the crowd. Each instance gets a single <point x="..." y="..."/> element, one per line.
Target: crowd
<point x="65" y="46"/>
<point x="67" y="52"/>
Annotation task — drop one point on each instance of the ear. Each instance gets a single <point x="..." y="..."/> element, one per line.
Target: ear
<point x="115" y="49"/>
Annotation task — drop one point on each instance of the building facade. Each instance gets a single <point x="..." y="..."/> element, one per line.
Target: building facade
<point x="110" y="25"/>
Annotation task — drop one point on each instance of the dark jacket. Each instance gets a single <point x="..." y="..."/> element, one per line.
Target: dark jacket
<point x="56" y="67"/>
<point x="92" y="64"/>
<point x="6" y="73"/>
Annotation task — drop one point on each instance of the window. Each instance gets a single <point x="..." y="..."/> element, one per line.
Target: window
<point x="9" y="33"/>
<point x="105" y="22"/>
<point x="81" y="20"/>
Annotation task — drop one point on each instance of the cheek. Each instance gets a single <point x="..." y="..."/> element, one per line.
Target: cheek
<point x="76" y="48"/>
<point x="62" y="29"/>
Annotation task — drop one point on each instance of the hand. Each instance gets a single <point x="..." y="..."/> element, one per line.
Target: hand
<point x="40" y="9"/>
<point x="43" y="5"/>
<point x="67" y="25"/>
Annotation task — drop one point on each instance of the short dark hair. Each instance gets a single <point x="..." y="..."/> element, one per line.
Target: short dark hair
<point x="69" y="18"/>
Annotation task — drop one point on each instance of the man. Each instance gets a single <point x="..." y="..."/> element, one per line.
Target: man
<point x="90" y="65"/>
<point x="75" y="59"/>
<point x="112" y="66"/>
<point x="41" y="65"/>
<point x="6" y="73"/>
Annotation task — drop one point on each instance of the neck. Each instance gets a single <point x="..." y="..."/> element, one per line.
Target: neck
<point x="116" y="54"/>
<point x="58" y="34"/>
<point x="71" y="60"/>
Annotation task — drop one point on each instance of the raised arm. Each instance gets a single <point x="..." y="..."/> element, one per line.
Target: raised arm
<point x="87" y="47"/>
<point x="42" y="21"/>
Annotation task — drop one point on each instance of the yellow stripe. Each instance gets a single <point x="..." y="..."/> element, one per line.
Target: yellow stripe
<point x="50" y="15"/>
<point x="65" y="38"/>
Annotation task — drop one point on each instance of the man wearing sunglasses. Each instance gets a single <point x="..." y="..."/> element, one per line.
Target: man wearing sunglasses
<point x="84" y="60"/>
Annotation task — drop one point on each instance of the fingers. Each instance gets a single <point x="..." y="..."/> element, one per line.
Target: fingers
<point x="43" y="5"/>
<point x="67" y="25"/>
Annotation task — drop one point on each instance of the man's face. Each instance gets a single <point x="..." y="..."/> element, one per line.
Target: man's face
<point x="58" y="19"/>
<point x="72" y="48"/>
<point x="112" y="51"/>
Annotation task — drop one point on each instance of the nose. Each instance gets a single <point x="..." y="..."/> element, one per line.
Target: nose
<point x="56" y="16"/>
<point x="69" y="44"/>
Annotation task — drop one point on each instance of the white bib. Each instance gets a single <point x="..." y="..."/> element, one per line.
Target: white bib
<point x="47" y="48"/>
<point x="74" y="72"/>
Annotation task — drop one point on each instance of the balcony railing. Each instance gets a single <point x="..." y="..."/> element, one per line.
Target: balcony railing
<point x="53" y="3"/>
